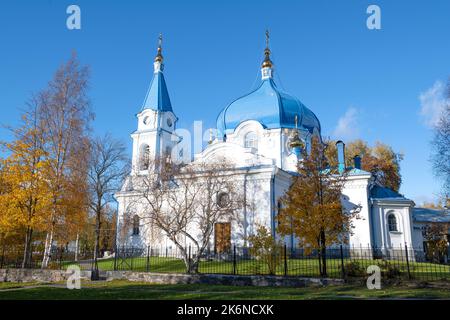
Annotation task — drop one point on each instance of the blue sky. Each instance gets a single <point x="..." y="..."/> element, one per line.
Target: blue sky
<point x="373" y="84"/>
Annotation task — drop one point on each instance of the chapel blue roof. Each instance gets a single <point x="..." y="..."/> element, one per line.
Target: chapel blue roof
<point x="378" y="192"/>
<point x="269" y="106"/>
<point x="430" y="215"/>
<point x="157" y="97"/>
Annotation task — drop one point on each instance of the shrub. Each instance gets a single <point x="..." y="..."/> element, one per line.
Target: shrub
<point x="388" y="270"/>
<point x="354" y="269"/>
<point x="266" y="249"/>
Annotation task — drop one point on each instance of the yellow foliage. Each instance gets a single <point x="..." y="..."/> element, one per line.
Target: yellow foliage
<point x="266" y="249"/>
<point x="24" y="197"/>
<point x="312" y="208"/>
<point x="380" y="160"/>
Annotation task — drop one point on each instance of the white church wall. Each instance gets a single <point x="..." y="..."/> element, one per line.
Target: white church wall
<point x="283" y="181"/>
<point x="257" y="206"/>
<point x="268" y="141"/>
<point x="272" y="143"/>
<point x="355" y="193"/>
<point x="388" y="239"/>
<point x="417" y="235"/>
<point x="257" y="182"/>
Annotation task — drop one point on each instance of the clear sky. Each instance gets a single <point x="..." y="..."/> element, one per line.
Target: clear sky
<point x="371" y="84"/>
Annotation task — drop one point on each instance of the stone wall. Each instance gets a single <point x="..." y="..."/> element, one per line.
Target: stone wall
<point x="273" y="281"/>
<point x="36" y="275"/>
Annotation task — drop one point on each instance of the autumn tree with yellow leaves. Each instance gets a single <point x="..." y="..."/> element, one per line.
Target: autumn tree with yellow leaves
<point x="64" y="110"/>
<point x="44" y="183"/>
<point x="380" y="160"/>
<point x="25" y="196"/>
<point x="312" y="209"/>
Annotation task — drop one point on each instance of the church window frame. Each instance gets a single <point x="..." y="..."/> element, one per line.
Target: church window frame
<point x="144" y="158"/>
<point x="392" y="222"/>
<point x="136" y="225"/>
<point x="223" y="199"/>
<point x="251" y="140"/>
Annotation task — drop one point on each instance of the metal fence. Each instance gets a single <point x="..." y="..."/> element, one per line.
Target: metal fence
<point x="59" y="258"/>
<point x="340" y="261"/>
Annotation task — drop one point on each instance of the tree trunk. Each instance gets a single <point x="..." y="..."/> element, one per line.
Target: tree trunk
<point x="323" y="254"/>
<point x="95" y="272"/>
<point x="191" y="263"/>
<point x="26" y="261"/>
<point x="48" y="249"/>
<point x="186" y="259"/>
<point x="77" y="243"/>
<point x="193" y="267"/>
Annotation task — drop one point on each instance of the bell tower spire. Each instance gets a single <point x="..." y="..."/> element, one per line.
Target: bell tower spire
<point x="267" y="65"/>
<point x="155" y="135"/>
<point x="158" y="64"/>
<point x="157" y="97"/>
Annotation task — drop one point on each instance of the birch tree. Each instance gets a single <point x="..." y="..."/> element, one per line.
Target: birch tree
<point x="441" y="148"/>
<point x="65" y="114"/>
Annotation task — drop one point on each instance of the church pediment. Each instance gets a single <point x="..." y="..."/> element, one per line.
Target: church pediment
<point x="240" y="156"/>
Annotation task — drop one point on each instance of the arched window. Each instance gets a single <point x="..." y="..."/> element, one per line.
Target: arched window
<point x="223" y="199"/>
<point x="250" y="140"/>
<point x="135" y="225"/>
<point x="144" y="157"/>
<point x="392" y="222"/>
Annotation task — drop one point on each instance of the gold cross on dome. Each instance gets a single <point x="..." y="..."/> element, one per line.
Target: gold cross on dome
<point x="267" y="38"/>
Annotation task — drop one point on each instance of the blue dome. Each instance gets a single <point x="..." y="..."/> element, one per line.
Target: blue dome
<point x="270" y="107"/>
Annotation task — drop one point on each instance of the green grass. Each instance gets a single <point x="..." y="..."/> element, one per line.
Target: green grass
<point x="135" y="290"/>
<point x="14" y="285"/>
<point x="296" y="267"/>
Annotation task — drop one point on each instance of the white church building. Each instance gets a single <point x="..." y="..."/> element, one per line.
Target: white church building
<point x="256" y="133"/>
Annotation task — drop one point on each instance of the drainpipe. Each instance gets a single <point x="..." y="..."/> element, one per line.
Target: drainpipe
<point x="282" y="148"/>
<point x="245" y="224"/>
<point x="371" y="220"/>
<point x="272" y="203"/>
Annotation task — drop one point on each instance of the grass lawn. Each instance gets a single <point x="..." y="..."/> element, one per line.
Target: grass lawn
<point x="295" y="267"/>
<point x="13" y="285"/>
<point x="135" y="290"/>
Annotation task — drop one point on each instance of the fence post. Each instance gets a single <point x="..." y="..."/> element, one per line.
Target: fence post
<point x="285" y="261"/>
<point x="132" y="258"/>
<point x="189" y="261"/>
<point x="234" y="259"/>
<point x="342" y="262"/>
<point x="115" y="257"/>
<point x="407" y="261"/>
<point x="148" y="259"/>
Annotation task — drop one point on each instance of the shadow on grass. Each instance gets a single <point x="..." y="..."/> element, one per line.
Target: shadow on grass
<point x="117" y="290"/>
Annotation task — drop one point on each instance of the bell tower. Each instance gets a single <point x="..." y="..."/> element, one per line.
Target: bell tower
<point x="155" y="135"/>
